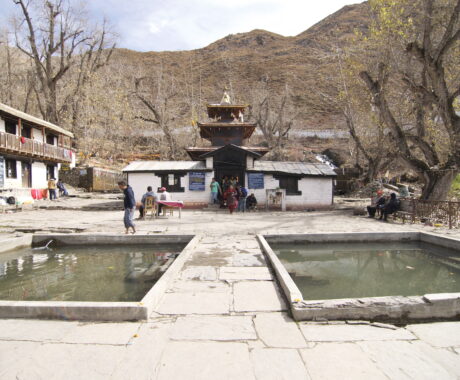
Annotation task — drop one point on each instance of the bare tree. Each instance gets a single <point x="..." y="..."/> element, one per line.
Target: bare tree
<point x="162" y="99"/>
<point x="421" y="62"/>
<point x="57" y="38"/>
<point x="274" y="115"/>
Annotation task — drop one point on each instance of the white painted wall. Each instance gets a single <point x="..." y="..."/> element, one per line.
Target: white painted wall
<point x="2" y="125"/>
<point x="140" y="181"/>
<point x="316" y="191"/>
<point x="14" y="183"/>
<point x="39" y="175"/>
<point x="209" y="162"/>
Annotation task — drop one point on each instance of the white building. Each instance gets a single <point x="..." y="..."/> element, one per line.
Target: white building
<point x="300" y="185"/>
<point x="31" y="150"/>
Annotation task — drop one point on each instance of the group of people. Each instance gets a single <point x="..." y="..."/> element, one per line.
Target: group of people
<point x="129" y="203"/>
<point x="383" y="205"/>
<point x="53" y="185"/>
<point x="232" y="195"/>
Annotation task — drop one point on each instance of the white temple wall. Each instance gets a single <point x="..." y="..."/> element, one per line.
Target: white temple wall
<point x="140" y="181"/>
<point x="317" y="192"/>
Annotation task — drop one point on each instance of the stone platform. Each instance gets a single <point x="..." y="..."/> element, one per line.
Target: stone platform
<point x="223" y="317"/>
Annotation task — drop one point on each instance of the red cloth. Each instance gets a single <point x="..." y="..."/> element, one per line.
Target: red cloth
<point x="178" y="204"/>
<point x="23" y="140"/>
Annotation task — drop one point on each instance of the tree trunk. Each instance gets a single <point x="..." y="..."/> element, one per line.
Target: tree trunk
<point x="437" y="184"/>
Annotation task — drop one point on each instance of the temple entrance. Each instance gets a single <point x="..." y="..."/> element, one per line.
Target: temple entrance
<point x="230" y="162"/>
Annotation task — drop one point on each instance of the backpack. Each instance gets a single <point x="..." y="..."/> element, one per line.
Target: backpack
<point x="244" y="192"/>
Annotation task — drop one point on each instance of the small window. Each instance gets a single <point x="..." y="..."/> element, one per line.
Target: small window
<point x="171" y="182"/>
<point x="50" y="171"/>
<point x="10" y="127"/>
<point x="11" y="169"/>
<point x="290" y="184"/>
<point x="50" y="139"/>
<point x="26" y="132"/>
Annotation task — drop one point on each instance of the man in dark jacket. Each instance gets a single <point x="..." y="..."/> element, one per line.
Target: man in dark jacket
<point x="391" y="207"/>
<point x="129" y="204"/>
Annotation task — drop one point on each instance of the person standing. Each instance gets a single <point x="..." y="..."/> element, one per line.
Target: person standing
<point x="230" y="196"/>
<point x="52" y="188"/>
<point x="243" y="193"/>
<point x="215" y="190"/>
<point x="129" y="204"/>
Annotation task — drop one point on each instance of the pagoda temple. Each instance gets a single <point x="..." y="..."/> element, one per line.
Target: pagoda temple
<point x="302" y="185"/>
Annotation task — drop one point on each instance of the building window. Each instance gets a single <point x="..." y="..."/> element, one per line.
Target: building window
<point x="26" y="132"/>
<point x="11" y="169"/>
<point x="50" y="139"/>
<point x="171" y="182"/>
<point x="10" y="127"/>
<point x="290" y="184"/>
<point x="50" y="171"/>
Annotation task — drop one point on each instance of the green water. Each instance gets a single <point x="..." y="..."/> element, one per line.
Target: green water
<point x="331" y="271"/>
<point x="101" y="273"/>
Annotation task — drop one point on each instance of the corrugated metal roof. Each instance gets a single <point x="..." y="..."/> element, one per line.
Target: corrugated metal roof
<point x="147" y="166"/>
<point x="33" y="119"/>
<point x="297" y="168"/>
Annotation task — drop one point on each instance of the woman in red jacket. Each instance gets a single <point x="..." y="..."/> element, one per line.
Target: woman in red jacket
<point x="230" y="197"/>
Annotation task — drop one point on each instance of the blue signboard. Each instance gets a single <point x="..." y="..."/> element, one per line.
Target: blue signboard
<point x="255" y="180"/>
<point x="196" y="181"/>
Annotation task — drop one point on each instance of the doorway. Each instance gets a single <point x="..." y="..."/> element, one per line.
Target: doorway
<point x="26" y="174"/>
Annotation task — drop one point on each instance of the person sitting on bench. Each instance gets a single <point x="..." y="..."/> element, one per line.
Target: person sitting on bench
<point x="149" y="193"/>
<point x="251" y="202"/>
<point x="377" y="204"/>
<point x="391" y="207"/>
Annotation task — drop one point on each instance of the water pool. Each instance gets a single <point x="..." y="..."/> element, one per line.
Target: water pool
<point x="353" y="270"/>
<point x="79" y="273"/>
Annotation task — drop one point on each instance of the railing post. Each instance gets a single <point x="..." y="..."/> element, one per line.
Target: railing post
<point x="451" y="212"/>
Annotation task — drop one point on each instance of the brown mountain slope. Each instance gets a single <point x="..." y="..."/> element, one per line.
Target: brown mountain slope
<point x="243" y="60"/>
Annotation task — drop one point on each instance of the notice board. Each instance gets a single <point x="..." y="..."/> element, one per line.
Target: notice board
<point x="255" y="181"/>
<point x="2" y="172"/>
<point x="196" y="181"/>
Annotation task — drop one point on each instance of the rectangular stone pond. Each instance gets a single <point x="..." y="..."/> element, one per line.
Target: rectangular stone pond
<point x="378" y="276"/>
<point x="88" y="277"/>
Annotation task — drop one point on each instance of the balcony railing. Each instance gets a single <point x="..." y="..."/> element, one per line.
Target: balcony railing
<point x="29" y="147"/>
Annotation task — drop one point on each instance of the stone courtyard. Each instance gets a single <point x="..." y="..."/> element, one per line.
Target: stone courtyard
<point x="223" y="317"/>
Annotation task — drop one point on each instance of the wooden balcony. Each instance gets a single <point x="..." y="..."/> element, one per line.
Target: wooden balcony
<point x="12" y="144"/>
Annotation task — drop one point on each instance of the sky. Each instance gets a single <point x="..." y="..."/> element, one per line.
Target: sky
<point x="158" y="25"/>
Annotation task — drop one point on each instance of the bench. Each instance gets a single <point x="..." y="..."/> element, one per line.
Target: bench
<point x="406" y="211"/>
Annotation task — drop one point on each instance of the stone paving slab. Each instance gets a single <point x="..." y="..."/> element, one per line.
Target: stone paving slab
<point x="181" y="286"/>
<point x="255" y="259"/>
<point x="199" y="273"/>
<point x="345" y="361"/>
<point x="194" y="303"/>
<point x="403" y="360"/>
<point x="257" y="296"/>
<point x="24" y="360"/>
<point x="34" y="330"/>
<point x="351" y="333"/>
<point x="203" y="361"/>
<point x="278" y="364"/>
<point x="443" y="334"/>
<point x="102" y="333"/>
<point x="217" y="328"/>
<point x="278" y="330"/>
<point x="245" y="273"/>
<point x="142" y="356"/>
